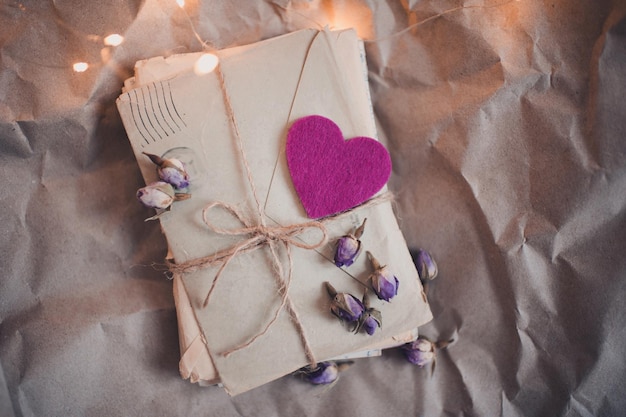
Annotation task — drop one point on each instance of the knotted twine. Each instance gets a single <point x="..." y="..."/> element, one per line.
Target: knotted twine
<point x="260" y="235"/>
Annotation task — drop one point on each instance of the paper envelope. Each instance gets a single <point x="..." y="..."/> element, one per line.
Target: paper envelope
<point x="269" y="85"/>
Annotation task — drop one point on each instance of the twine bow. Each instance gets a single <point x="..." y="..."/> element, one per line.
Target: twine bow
<point x="259" y="235"/>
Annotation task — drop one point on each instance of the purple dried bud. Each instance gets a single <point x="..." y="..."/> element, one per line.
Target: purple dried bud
<point x="158" y="195"/>
<point x="349" y="247"/>
<point x="426" y="265"/>
<point x="345" y="306"/>
<point x="370" y="324"/>
<point x="420" y="352"/>
<point x="171" y="170"/>
<point x="324" y="373"/>
<point x="371" y="319"/>
<point x="382" y="280"/>
<point x="385" y="284"/>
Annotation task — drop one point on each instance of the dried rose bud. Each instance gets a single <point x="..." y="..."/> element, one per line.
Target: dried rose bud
<point x="171" y="170"/>
<point x="324" y="373"/>
<point x="420" y="352"/>
<point x="382" y="280"/>
<point x="345" y="306"/>
<point x="371" y="319"/>
<point x="349" y="247"/>
<point x="158" y="195"/>
<point x="426" y="265"/>
<point x="370" y="324"/>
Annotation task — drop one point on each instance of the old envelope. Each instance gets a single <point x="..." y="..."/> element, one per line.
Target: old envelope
<point x="269" y="85"/>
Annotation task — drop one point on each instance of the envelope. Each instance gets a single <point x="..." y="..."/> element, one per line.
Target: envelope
<point x="268" y="86"/>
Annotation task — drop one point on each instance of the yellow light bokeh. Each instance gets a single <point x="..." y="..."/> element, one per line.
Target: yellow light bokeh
<point x="205" y="64"/>
<point x="80" y="66"/>
<point x="113" y="39"/>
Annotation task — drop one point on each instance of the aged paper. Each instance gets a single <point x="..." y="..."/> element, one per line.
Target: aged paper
<point x="268" y="89"/>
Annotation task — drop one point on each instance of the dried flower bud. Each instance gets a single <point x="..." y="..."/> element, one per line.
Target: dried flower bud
<point x="345" y="306"/>
<point x="420" y="352"/>
<point x="171" y="170"/>
<point x="349" y="247"/>
<point x="426" y="265"/>
<point x="371" y="319"/>
<point x="382" y="280"/>
<point x="370" y="324"/>
<point x="158" y="195"/>
<point x="324" y="373"/>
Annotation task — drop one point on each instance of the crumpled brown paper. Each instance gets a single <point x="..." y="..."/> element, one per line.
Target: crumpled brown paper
<point x="504" y="122"/>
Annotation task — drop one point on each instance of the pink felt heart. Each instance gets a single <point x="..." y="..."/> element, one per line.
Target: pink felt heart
<point x="331" y="174"/>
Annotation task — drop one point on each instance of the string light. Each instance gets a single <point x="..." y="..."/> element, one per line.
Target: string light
<point x="438" y="15"/>
<point x="80" y="66"/>
<point x="113" y="40"/>
<point x="205" y="64"/>
<point x="205" y="45"/>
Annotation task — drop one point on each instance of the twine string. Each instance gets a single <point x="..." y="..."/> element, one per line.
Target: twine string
<point x="259" y="235"/>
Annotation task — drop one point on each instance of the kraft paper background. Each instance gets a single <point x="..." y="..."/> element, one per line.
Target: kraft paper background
<point x="506" y="123"/>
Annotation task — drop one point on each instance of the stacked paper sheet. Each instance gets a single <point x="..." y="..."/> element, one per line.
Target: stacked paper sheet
<point x="170" y="109"/>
